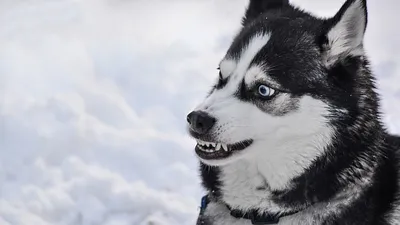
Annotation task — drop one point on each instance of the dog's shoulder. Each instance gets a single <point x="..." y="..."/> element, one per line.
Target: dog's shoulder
<point x="393" y="143"/>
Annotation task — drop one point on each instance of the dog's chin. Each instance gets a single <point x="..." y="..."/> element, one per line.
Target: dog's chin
<point x="218" y="154"/>
<point x="223" y="162"/>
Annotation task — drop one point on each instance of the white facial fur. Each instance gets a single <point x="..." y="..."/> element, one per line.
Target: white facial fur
<point x="283" y="145"/>
<point x="221" y="103"/>
<point x="283" y="148"/>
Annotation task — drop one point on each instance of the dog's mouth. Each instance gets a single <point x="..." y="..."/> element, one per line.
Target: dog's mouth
<point x="215" y="151"/>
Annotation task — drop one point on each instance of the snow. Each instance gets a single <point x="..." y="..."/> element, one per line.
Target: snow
<point x="93" y="98"/>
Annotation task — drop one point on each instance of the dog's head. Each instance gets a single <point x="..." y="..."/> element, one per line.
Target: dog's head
<point x="287" y="76"/>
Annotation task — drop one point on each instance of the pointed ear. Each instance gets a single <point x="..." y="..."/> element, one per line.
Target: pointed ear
<point x="258" y="7"/>
<point x="344" y="33"/>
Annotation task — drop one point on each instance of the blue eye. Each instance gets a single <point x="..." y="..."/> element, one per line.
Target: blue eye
<point x="265" y="91"/>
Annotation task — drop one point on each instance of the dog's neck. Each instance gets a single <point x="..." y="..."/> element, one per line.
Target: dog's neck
<point x="244" y="187"/>
<point x="267" y="181"/>
<point x="249" y="183"/>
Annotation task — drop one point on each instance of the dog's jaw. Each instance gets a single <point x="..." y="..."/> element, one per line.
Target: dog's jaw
<point x="286" y="146"/>
<point x="248" y="182"/>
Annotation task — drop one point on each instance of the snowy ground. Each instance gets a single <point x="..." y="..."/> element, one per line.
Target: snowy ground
<point x="93" y="98"/>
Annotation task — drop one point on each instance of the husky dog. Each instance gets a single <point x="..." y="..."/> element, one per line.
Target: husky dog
<point x="291" y="131"/>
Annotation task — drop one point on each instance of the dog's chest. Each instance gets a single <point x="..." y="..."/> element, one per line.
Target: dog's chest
<point x="243" y="187"/>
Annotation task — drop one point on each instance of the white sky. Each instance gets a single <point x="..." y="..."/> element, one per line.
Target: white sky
<point x="93" y="98"/>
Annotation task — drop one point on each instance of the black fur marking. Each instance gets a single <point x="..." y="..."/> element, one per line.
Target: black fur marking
<point x="210" y="178"/>
<point x="267" y="104"/>
<point x="257" y="7"/>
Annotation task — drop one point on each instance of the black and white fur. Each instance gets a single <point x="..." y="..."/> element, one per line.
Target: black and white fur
<point x="316" y="145"/>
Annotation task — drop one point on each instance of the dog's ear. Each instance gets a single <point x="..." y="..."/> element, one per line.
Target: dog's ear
<point x="258" y="7"/>
<point x="344" y="33"/>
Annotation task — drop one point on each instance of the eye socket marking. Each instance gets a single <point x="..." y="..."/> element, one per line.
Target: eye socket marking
<point x="264" y="91"/>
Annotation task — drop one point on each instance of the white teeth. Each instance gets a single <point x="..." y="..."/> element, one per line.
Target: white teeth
<point x="201" y="143"/>
<point x="212" y="147"/>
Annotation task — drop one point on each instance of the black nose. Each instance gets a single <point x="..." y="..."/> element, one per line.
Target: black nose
<point x="200" y="122"/>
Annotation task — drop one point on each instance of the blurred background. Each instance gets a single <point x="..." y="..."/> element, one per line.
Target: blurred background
<point x="93" y="99"/>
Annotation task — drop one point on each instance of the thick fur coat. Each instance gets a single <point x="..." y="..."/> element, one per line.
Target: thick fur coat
<point x="292" y="125"/>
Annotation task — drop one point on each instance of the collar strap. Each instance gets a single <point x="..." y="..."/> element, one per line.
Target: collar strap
<point x="255" y="217"/>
